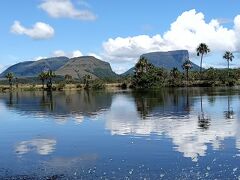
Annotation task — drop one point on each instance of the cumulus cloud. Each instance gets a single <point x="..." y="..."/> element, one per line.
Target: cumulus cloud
<point x="94" y="55"/>
<point x="75" y="53"/>
<point x="186" y="32"/>
<point x="39" y="30"/>
<point x="123" y="119"/>
<point x="65" y="9"/>
<point x="1" y="68"/>
<point x="59" y="53"/>
<point x="39" y="58"/>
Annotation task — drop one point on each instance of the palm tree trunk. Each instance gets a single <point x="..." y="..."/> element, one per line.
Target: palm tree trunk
<point x="187" y="77"/>
<point x="42" y="84"/>
<point x="10" y="83"/>
<point x="201" y="66"/>
<point x="228" y="68"/>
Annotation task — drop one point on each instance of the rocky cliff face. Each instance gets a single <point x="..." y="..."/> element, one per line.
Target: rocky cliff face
<point x="167" y="60"/>
<point x="86" y="65"/>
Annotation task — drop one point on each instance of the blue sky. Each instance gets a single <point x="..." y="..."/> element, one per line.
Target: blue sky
<point x="117" y="31"/>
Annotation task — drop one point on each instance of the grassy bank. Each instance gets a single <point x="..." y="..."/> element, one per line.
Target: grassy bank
<point x="56" y="87"/>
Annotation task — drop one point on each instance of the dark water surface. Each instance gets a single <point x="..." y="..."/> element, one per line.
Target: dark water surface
<point x="167" y="134"/>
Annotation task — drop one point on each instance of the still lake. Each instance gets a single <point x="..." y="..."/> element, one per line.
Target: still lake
<point x="166" y="134"/>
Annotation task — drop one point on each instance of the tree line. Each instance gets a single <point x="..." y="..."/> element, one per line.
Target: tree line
<point x="147" y="75"/>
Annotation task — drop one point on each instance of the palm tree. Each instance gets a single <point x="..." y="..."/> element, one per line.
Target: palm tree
<point x="229" y="57"/>
<point x="187" y="65"/>
<point x="86" y="79"/>
<point x="50" y="75"/>
<point x="68" y="78"/>
<point x="42" y="76"/>
<point x="174" y="73"/>
<point x="10" y="77"/>
<point x="201" y="50"/>
<point x="141" y="65"/>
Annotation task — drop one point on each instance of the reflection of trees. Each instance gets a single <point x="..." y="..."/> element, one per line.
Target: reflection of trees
<point x="229" y="113"/>
<point x="10" y="101"/>
<point x="162" y="101"/>
<point x="58" y="104"/>
<point x="147" y="100"/>
<point x="187" y="107"/>
<point x="50" y="97"/>
<point x="203" y="119"/>
<point x="47" y="102"/>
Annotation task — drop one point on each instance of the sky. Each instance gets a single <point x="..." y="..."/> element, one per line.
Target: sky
<point x="117" y="31"/>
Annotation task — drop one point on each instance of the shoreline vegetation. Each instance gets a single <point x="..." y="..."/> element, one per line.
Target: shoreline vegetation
<point x="146" y="76"/>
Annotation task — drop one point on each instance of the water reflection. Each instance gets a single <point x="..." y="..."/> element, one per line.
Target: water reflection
<point x="60" y="105"/>
<point x="183" y="126"/>
<point x="69" y="162"/>
<point x="229" y="113"/>
<point x="194" y="120"/>
<point x="40" y="146"/>
<point x="203" y="118"/>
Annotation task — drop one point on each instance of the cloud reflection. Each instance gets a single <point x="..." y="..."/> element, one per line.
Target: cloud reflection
<point x="40" y="146"/>
<point x="186" y="135"/>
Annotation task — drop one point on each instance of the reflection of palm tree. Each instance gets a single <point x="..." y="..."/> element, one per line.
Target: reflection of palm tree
<point x="87" y="98"/>
<point x="49" y="94"/>
<point x="10" y="103"/>
<point x="142" y="107"/>
<point x="187" y="108"/>
<point x="43" y="100"/>
<point x="203" y="120"/>
<point x="229" y="113"/>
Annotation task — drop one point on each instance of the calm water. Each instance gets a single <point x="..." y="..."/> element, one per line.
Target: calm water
<point x="165" y="134"/>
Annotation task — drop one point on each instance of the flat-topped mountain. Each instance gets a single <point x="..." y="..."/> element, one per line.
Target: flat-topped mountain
<point x="84" y="65"/>
<point x="167" y="60"/>
<point x="33" y="68"/>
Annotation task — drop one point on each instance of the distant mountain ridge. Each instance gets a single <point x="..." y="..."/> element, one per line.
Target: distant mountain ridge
<point x="167" y="60"/>
<point x="76" y="67"/>
<point x="80" y="66"/>
<point x="33" y="68"/>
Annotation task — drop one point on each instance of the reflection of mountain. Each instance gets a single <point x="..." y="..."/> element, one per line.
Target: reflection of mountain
<point x="58" y="104"/>
<point x="172" y="122"/>
<point x="40" y="146"/>
<point x="172" y="114"/>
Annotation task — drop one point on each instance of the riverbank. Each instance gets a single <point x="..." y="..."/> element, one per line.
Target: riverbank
<point x="56" y="87"/>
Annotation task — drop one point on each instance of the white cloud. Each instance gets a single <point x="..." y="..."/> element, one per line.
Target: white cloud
<point x="75" y="53"/>
<point x="59" y="53"/>
<point x="1" y="68"/>
<point x="39" y="30"/>
<point x="39" y="58"/>
<point x="65" y="9"/>
<point x="94" y="55"/>
<point x="189" y="29"/>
